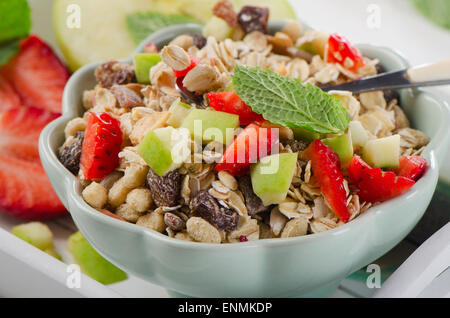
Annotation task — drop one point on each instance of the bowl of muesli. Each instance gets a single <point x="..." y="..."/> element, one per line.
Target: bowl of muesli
<point x="219" y="168"/>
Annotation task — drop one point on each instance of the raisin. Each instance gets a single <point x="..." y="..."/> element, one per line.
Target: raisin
<point x="209" y="208"/>
<point x="390" y="95"/>
<point x="127" y="98"/>
<point x="165" y="190"/>
<point x="254" y="19"/>
<point x="70" y="154"/>
<point x="113" y="72"/>
<point x="174" y="222"/>
<point x="379" y="68"/>
<point x="252" y="201"/>
<point x="224" y="10"/>
<point x="199" y="40"/>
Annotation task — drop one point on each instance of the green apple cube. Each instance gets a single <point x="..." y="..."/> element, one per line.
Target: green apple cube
<point x="211" y="125"/>
<point x="217" y="28"/>
<point x="303" y="134"/>
<point x="272" y="177"/>
<point x="383" y="152"/>
<point x="342" y="146"/>
<point x="358" y="133"/>
<point x="36" y="234"/>
<point x="165" y="149"/>
<point x="143" y="62"/>
<point x="92" y="263"/>
<point x="178" y="112"/>
<point x="315" y="42"/>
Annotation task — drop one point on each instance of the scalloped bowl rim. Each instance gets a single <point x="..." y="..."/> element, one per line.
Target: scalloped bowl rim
<point x="48" y="154"/>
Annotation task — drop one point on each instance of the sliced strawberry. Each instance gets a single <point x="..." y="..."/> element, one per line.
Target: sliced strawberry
<point x="183" y="73"/>
<point x="356" y="168"/>
<point x="411" y="167"/>
<point x="37" y="75"/>
<point x="8" y="96"/>
<point x="252" y="144"/>
<point x="25" y="191"/>
<point x="379" y="186"/>
<point x="229" y="102"/>
<point x="101" y="146"/>
<point x="326" y="168"/>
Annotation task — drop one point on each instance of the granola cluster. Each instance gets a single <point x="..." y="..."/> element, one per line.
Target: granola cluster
<point x="194" y="202"/>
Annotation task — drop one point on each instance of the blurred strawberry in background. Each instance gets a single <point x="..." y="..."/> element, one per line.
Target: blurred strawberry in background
<point x="32" y="80"/>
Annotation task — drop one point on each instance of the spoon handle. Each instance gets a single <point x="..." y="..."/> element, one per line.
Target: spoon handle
<point x="420" y="76"/>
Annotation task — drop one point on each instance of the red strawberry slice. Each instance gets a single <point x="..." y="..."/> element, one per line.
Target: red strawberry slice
<point x="356" y="168"/>
<point x="379" y="186"/>
<point x="37" y="75"/>
<point x="411" y="167"/>
<point x="101" y="146"/>
<point x="25" y="191"/>
<point x="326" y="167"/>
<point x="8" y="96"/>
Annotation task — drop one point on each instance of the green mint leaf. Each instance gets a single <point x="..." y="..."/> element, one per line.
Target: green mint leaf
<point x="8" y="50"/>
<point x="142" y="24"/>
<point x="15" y="20"/>
<point x="287" y="102"/>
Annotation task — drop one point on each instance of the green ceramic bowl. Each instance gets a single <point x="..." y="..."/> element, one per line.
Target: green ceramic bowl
<point x="265" y="268"/>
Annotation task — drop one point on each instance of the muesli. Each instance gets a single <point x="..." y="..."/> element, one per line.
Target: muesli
<point x="232" y="140"/>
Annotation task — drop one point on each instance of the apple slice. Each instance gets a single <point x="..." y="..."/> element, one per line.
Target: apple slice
<point x="210" y="125"/>
<point x="37" y="234"/>
<point x="92" y="263"/>
<point x="383" y="152"/>
<point x="143" y="62"/>
<point x="178" y="112"/>
<point x="342" y="146"/>
<point x="358" y="133"/>
<point x="165" y="149"/>
<point x="272" y="176"/>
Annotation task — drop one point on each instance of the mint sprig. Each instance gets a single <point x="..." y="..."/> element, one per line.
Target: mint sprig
<point x="287" y="102"/>
<point x="142" y="24"/>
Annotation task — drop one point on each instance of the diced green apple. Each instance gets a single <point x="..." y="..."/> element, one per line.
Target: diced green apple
<point x="210" y="125"/>
<point x="165" y="149"/>
<point x="303" y="134"/>
<point x="272" y="176"/>
<point x="143" y="62"/>
<point x="217" y="28"/>
<point x="383" y="152"/>
<point x="178" y="112"/>
<point x="315" y="42"/>
<point x="358" y="133"/>
<point x="92" y="263"/>
<point x="36" y="234"/>
<point x="342" y="146"/>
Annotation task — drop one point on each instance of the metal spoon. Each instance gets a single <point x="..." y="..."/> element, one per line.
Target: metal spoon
<point x="189" y="97"/>
<point x="434" y="74"/>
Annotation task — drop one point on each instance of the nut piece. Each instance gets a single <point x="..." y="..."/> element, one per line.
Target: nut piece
<point x="254" y="19"/>
<point x="128" y="213"/>
<point x="153" y="221"/>
<point x="139" y="199"/>
<point x="252" y="201"/>
<point x="174" y="222"/>
<point x="126" y="97"/>
<point x="166" y="190"/>
<point x="224" y="10"/>
<point x="295" y="227"/>
<point x="176" y="57"/>
<point x="113" y="72"/>
<point x="74" y="126"/>
<point x="70" y="152"/>
<point x="134" y="177"/>
<point x="208" y="208"/>
<point x="201" y="231"/>
<point x="95" y="195"/>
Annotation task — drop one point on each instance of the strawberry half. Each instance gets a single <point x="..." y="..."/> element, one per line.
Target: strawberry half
<point x="25" y="191"/>
<point x="37" y="75"/>
<point x="356" y="169"/>
<point x="411" y="167"/>
<point x="379" y="186"/>
<point x="101" y="146"/>
<point x="8" y="96"/>
<point x="326" y="167"/>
